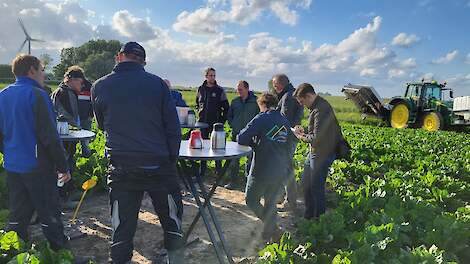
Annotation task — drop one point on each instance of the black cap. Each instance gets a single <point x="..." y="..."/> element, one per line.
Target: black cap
<point x="133" y="48"/>
<point x="76" y="74"/>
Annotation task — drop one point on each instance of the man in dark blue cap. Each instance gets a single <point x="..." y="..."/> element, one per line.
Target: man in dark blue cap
<point x="135" y="110"/>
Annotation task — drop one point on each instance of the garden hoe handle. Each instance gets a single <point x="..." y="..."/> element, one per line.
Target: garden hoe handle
<point x="78" y="206"/>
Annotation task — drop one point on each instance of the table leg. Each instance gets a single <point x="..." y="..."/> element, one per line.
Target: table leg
<point x="207" y="203"/>
<point x="202" y="213"/>
<point x="220" y="172"/>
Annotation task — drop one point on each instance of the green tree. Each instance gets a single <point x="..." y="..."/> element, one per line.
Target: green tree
<point x="271" y="87"/>
<point x="46" y="60"/>
<point x="5" y="72"/>
<point x="98" y="65"/>
<point x="79" y="55"/>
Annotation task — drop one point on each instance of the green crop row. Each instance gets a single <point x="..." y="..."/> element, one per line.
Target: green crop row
<point x="403" y="198"/>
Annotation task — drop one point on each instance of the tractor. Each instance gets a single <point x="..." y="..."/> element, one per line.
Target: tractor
<point x="423" y="105"/>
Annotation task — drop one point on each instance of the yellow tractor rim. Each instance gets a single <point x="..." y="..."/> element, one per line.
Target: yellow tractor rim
<point x="431" y="122"/>
<point x="400" y="115"/>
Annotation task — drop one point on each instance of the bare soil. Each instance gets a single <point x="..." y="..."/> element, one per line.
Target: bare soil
<point x="242" y="229"/>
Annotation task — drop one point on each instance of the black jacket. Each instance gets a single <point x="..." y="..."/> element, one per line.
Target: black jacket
<point x="135" y="110"/>
<point x="212" y="104"/>
<point x="66" y="104"/>
<point x="289" y="106"/>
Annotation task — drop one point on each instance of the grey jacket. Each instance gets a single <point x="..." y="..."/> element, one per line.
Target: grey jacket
<point x="289" y="107"/>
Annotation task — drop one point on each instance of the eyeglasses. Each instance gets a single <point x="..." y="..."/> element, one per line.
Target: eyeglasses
<point x="210" y="75"/>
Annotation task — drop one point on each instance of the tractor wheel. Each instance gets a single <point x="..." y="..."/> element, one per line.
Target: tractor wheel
<point x="432" y="121"/>
<point x="399" y="116"/>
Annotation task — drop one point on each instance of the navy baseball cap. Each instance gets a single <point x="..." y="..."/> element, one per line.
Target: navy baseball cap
<point x="133" y="48"/>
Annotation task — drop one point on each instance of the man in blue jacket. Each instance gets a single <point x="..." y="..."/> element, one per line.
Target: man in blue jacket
<point x="294" y="112"/>
<point x="269" y="134"/>
<point x="176" y="95"/>
<point x="34" y="158"/>
<point x="138" y="116"/>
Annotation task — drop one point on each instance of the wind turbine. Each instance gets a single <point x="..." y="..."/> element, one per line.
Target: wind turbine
<point x="28" y="38"/>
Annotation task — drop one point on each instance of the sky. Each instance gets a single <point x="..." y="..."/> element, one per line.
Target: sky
<point x="326" y="43"/>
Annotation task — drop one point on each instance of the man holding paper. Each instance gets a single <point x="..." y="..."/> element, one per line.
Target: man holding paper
<point x="324" y="136"/>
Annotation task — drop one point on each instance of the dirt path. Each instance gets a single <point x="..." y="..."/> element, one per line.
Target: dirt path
<point x="241" y="229"/>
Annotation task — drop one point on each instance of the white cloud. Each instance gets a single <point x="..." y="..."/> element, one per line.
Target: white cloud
<point x="56" y="23"/>
<point x="467" y="60"/>
<point x="134" y="28"/>
<point x="358" y="57"/>
<point x="396" y="73"/>
<point x="369" y="72"/>
<point x="362" y="40"/>
<point x="286" y="15"/>
<point x="408" y="63"/>
<point x="203" y="21"/>
<point x="209" y="19"/>
<point x="447" y="58"/>
<point x="376" y="57"/>
<point x="405" y="40"/>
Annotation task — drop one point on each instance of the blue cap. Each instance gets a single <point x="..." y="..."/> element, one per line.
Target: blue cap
<point x="133" y="48"/>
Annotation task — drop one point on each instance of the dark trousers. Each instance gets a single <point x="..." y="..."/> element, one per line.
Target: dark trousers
<point x="70" y="148"/>
<point x="235" y="167"/>
<point x="35" y="191"/>
<point x="206" y="132"/>
<point x="314" y="178"/>
<point x="125" y="198"/>
<point x="85" y="124"/>
<point x="269" y="190"/>
<point x="291" y="184"/>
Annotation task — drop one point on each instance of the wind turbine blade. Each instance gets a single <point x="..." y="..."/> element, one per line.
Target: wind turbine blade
<point x="37" y="40"/>
<point x="22" y="46"/>
<point x="23" y="27"/>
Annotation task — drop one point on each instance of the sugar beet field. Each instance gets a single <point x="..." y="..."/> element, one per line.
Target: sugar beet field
<point x="403" y="197"/>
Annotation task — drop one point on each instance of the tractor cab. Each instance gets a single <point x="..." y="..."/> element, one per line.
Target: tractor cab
<point x="426" y="95"/>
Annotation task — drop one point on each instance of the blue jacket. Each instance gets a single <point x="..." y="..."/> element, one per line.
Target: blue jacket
<point x="28" y="130"/>
<point x="178" y="97"/>
<point x="135" y="110"/>
<point x="269" y="134"/>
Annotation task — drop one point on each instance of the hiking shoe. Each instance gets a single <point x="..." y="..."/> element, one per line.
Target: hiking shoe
<point x="230" y="186"/>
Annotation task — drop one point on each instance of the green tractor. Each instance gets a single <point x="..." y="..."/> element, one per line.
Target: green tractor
<point x="421" y="106"/>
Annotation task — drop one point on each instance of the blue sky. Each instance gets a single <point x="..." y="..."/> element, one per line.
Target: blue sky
<point x="327" y="43"/>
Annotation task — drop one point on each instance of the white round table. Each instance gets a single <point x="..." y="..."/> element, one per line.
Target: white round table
<point x="75" y="135"/>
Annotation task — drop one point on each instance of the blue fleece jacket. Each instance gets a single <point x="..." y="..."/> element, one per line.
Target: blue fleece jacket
<point x="28" y="128"/>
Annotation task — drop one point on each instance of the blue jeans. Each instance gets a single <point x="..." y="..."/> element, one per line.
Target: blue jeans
<point x="314" y="178"/>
